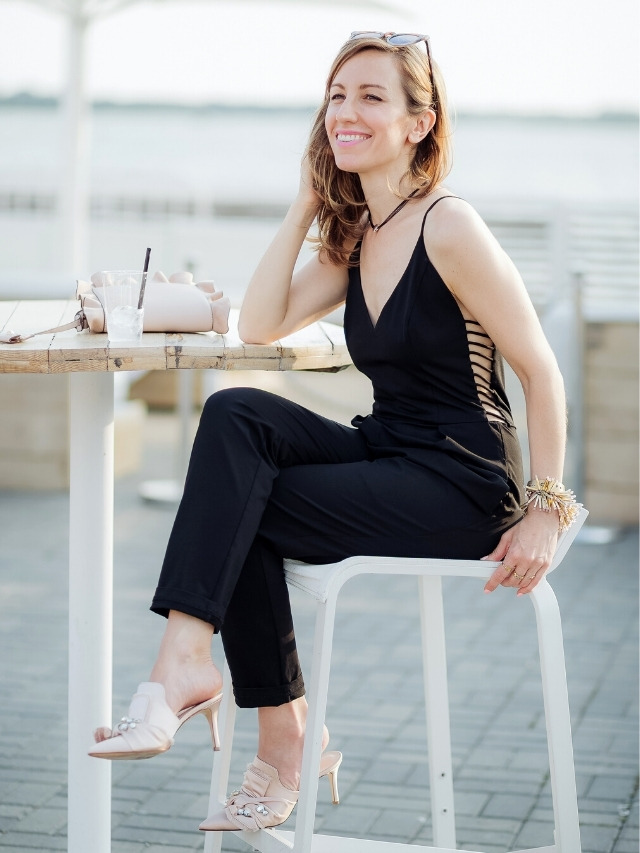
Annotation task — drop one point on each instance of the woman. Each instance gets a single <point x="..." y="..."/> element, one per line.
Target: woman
<point x="433" y="471"/>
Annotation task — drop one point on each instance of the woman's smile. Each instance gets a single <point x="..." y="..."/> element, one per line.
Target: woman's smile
<point x="348" y="139"/>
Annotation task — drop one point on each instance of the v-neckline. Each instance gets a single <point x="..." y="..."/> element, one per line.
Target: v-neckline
<point x="374" y="325"/>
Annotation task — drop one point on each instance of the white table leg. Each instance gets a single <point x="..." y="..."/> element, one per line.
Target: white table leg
<point x="90" y="607"/>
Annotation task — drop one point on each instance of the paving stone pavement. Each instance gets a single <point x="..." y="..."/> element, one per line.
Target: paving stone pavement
<point x="375" y="712"/>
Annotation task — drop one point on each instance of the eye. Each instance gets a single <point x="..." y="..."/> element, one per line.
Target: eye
<point x="337" y="96"/>
<point x="370" y="97"/>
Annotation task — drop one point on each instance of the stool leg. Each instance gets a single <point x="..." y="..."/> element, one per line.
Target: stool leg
<point x="222" y="760"/>
<point x="318" y="689"/>
<point x="558" y="719"/>
<point x="434" y="659"/>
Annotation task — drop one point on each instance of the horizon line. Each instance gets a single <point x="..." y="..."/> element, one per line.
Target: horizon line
<point x="32" y="99"/>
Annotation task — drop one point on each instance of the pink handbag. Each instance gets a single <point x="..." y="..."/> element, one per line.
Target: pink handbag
<point x="174" y="304"/>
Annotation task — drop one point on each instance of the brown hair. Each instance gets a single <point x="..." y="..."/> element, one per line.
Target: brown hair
<point x="342" y="204"/>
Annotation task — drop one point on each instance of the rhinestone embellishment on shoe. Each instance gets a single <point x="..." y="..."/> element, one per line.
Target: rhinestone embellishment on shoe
<point x="127" y="723"/>
<point x="259" y="808"/>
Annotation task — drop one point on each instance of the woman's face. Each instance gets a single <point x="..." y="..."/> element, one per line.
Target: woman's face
<point x="367" y="121"/>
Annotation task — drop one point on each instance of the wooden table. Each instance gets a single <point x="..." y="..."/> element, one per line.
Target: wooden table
<point x="92" y="365"/>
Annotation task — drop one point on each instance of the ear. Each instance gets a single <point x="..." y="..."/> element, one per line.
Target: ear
<point x="423" y="125"/>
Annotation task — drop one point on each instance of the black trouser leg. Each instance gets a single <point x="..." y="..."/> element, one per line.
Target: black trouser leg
<point x="258" y="635"/>
<point x="214" y="567"/>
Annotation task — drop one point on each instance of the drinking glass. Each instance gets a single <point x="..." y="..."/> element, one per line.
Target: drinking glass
<point x="121" y="290"/>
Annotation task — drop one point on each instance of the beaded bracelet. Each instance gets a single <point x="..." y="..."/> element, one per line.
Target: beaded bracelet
<point x="549" y="494"/>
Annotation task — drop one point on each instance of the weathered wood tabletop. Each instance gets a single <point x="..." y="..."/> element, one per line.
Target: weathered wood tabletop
<point x="320" y="346"/>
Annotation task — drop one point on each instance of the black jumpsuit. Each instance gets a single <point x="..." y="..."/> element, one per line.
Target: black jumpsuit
<point x="433" y="471"/>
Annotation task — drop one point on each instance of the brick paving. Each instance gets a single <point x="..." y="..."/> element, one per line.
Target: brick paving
<point x="375" y="713"/>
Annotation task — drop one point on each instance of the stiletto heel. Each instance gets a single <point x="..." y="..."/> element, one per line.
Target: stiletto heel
<point x="150" y="725"/>
<point x="331" y="772"/>
<point x="211" y="713"/>
<point x="263" y="801"/>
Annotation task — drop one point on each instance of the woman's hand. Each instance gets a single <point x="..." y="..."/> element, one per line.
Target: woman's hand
<point x="306" y="191"/>
<point x="526" y="551"/>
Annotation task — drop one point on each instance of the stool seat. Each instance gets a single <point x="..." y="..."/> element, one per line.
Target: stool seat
<point x="323" y="583"/>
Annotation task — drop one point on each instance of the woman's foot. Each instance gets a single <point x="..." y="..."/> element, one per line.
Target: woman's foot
<point x="150" y="725"/>
<point x="263" y="801"/>
<point x="188" y="682"/>
<point x="184" y="668"/>
<point x="184" y="664"/>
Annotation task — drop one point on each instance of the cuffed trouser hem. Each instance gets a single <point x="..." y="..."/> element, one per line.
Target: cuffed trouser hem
<point x="192" y="605"/>
<point x="267" y="697"/>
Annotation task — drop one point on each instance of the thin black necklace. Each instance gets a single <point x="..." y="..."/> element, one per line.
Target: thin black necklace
<point x="393" y="212"/>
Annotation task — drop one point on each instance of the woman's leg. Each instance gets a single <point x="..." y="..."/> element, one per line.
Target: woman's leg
<point x="216" y="569"/>
<point x="258" y="635"/>
<point x="245" y="438"/>
<point x="281" y="733"/>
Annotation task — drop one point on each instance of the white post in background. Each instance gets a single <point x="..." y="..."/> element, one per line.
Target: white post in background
<point x="576" y="393"/>
<point x="170" y="491"/>
<point x="90" y="607"/>
<point x="74" y="186"/>
<point x="562" y="324"/>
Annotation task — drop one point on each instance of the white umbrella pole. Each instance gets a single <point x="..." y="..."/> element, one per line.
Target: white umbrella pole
<point x="74" y="192"/>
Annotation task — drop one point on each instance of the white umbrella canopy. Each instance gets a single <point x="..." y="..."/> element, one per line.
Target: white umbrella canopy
<point x="74" y="190"/>
<point x="93" y="9"/>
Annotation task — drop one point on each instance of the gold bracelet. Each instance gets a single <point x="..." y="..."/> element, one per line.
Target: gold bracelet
<point x="549" y="494"/>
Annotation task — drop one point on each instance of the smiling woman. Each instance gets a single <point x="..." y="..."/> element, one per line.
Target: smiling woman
<point x="434" y="470"/>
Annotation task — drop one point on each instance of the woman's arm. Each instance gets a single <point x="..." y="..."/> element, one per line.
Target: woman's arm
<point x="277" y="301"/>
<point x="487" y="285"/>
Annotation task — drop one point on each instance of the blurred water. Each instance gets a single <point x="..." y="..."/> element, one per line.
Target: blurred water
<point x="255" y="154"/>
<point x="245" y="156"/>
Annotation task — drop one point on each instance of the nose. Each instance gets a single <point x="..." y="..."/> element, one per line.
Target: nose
<point x="347" y="110"/>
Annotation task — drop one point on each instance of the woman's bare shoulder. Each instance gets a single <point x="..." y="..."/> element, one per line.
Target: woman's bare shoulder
<point x="452" y="224"/>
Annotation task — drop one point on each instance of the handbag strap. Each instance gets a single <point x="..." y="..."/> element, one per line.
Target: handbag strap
<point x="78" y="323"/>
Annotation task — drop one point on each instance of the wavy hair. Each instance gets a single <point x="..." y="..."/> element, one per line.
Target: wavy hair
<point x="342" y="204"/>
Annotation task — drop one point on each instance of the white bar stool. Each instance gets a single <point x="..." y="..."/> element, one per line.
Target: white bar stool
<point x="324" y="584"/>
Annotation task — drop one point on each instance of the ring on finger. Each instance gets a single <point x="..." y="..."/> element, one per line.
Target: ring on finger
<point x="508" y="569"/>
<point x="531" y="577"/>
<point x="516" y="575"/>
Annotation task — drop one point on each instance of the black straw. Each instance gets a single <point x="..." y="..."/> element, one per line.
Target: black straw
<point x="143" y="283"/>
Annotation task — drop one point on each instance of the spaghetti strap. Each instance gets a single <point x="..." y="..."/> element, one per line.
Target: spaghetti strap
<point x="433" y="204"/>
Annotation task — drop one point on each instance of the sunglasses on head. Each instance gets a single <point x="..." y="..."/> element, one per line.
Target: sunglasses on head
<point x="399" y="40"/>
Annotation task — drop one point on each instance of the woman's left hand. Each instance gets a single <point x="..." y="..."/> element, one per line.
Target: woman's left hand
<point x="526" y="551"/>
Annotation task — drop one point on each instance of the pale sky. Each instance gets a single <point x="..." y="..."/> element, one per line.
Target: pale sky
<point x="559" y="56"/>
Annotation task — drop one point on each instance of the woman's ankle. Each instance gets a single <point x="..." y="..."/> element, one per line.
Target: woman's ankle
<point x="184" y="664"/>
<point x="186" y="637"/>
<point x="281" y="739"/>
<point x="187" y="684"/>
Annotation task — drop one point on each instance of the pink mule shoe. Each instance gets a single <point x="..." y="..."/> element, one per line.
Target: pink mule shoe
<point x="263" y="801"/>
<point x="150" y="725"/>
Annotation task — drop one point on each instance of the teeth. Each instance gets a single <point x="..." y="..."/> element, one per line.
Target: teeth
<point x="350" y="137"/>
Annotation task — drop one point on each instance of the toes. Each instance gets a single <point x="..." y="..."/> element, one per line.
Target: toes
<point x="103" y="733"/>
